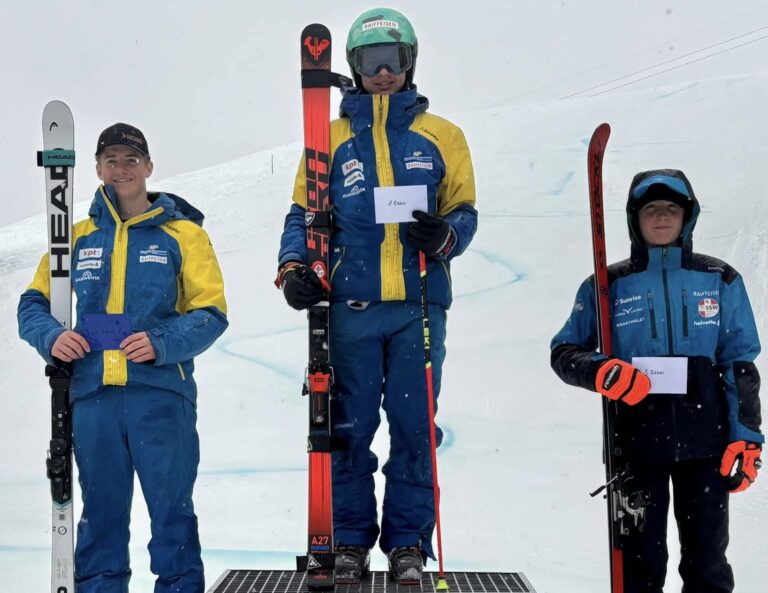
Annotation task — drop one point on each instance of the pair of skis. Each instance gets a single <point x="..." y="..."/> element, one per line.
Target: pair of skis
<point x="626" y="511"/>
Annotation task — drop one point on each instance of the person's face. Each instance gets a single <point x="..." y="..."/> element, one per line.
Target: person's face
<point x="125" y="169"/>
<point x="384" y="82"/>
<point x="660" y="223"/>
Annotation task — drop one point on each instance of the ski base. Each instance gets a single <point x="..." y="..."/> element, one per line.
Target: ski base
<point x="288" y="581"/>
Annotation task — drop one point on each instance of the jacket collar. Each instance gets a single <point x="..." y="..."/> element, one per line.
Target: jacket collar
<point x="358" y="106"/>
<point x="664" y="258"/>
<point x="164" y="207"/>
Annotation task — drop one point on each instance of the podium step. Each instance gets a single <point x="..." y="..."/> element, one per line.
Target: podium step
<point x="288" y="581"/>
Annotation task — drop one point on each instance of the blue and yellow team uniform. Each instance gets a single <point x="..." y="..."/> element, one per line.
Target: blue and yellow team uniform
<point x="160" y="269"/>
<point x="382" y="141"/>
<point x="670" y="301"/>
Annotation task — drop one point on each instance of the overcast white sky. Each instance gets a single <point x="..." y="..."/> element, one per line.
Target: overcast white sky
<point x="212" y="81"/>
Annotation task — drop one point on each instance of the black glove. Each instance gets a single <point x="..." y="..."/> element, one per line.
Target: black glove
<point x="301" y="287"/>
<point x="431" y="234"/>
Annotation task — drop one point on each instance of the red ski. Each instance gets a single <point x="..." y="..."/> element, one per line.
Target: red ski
<point x="316" y="82"/>
<point x="626" y="511"/>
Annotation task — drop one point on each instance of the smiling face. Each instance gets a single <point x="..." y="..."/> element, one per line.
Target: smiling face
<point x="127" y="170"/>
<point x="661" y="223"/>
<point x="384" y="82"/>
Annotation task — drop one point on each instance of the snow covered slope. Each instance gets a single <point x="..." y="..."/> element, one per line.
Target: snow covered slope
<point x="522" y="449"/>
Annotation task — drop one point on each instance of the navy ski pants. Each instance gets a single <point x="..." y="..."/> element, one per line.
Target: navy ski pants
<point x="378" y="358"/>
<point x="701" y="512"/>
<point x="119" y="430"/>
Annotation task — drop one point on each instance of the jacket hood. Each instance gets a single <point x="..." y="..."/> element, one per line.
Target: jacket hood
<point x="661" y="184"/>
<point x="104" y="208"/>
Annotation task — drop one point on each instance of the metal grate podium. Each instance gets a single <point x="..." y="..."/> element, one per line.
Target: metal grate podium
<point x="287" y="581"/>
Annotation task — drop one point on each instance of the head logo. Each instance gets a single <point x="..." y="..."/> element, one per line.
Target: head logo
<point x="708" y="308"/>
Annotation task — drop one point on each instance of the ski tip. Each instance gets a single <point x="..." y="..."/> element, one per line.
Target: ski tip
<point x="442" y="584"/>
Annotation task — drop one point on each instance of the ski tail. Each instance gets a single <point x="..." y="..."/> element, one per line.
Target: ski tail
<point x="58" y="160"/>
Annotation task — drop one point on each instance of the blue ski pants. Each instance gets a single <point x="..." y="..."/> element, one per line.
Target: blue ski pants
<point x="119" y="430"/>
<point x="377" y="353"/>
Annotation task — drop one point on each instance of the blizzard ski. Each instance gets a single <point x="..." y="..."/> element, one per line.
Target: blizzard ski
<point x="316" y="82"/>
<point x="58" y="159"/>
<point x="626" y="510"/>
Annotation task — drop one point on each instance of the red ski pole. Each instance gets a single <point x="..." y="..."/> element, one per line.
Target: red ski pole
<point x="442" y="585"/>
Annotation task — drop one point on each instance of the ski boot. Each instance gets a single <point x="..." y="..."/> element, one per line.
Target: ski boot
<point x="352" y="563"/>
<point x="405" y="565"/>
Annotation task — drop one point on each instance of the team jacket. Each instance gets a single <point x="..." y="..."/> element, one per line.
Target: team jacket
<point x="160" y="269"/>
<point x="669" y="301"/>
<point x="387" y="140"/>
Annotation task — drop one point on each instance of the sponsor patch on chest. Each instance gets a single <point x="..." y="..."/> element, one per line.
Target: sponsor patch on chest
<point x="153" y="255"/>
<point x="90" y="252"/>
<point x="709" y="308"/>
<point x="418" y="161"/>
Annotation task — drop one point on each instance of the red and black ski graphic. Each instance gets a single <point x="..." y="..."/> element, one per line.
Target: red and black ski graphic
<point x="595" y="155"/>
<point x="316" y="91"/>
<point x="626" y="506"/>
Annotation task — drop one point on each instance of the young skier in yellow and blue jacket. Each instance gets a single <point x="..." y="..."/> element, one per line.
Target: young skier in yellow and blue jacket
<point x="150" y="297"/>
<point x="385" y="137"/>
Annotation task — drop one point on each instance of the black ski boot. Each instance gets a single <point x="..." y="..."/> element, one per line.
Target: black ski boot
<point x="352" y="564"/>
<point x="405" y="565"/>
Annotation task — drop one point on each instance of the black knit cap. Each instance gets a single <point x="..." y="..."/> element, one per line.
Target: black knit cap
<point x="124" y="135"/>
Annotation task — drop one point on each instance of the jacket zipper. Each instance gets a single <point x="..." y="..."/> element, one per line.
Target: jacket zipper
<point x="666" y="302"/>
<point x="685" y="313"/>
<point x="652" y="313"/>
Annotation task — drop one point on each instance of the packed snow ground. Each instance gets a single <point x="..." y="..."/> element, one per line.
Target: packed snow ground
<point x="522" y="449"/>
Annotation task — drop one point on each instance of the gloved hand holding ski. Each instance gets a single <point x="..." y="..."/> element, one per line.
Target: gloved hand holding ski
<point x="301" y="287"/>
<point x="617" y="379"/>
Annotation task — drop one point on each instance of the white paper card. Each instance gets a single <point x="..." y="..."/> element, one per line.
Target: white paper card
<point x="668" y="374"/>
<point x="395" y="204"/>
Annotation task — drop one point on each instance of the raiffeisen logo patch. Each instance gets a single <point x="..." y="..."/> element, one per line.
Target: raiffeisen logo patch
<point x="380" y="24"/>
<point x="153" y="255"/>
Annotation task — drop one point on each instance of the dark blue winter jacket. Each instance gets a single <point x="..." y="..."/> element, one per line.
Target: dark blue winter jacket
<point x="669" y="301"/>
<point x="381" y="141"/>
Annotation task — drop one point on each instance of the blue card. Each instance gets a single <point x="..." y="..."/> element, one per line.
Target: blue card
<point x="105" y="332"/>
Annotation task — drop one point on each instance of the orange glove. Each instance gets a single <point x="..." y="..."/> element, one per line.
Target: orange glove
<point x="740" y="463"/>
<point x="617" y="379"/>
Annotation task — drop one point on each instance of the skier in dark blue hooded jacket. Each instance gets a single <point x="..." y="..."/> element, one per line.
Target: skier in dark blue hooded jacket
<point x="686" y="316"/>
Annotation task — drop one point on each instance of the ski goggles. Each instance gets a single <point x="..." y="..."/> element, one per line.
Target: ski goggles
<point x="370" y="59"/>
